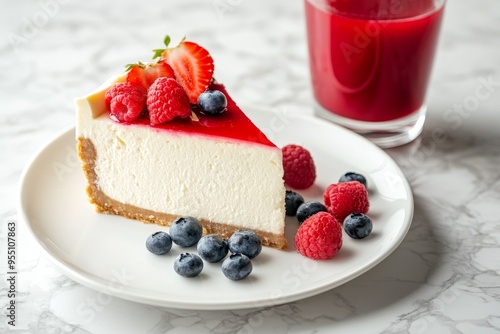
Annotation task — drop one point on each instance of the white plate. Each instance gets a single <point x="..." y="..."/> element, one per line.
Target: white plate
<point x="108" y="253"/>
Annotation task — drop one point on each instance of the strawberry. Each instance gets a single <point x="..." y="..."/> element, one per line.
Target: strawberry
<point x="193" y="66"/>
<point x="143" y="75"/>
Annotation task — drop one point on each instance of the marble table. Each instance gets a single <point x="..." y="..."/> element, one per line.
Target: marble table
<point x="444" y="277"/>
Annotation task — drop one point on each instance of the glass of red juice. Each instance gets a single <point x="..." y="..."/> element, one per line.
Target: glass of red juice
<point x="370" y="64"/>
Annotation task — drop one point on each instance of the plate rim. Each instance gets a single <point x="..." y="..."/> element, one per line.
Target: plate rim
<point x="98" y="284"/>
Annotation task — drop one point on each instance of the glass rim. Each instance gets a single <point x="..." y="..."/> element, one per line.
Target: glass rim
<point x="318" y="4"/>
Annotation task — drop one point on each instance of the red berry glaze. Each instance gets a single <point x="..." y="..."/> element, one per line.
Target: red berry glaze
<point x="299" y="168"/>
<point x="125" y="102"/>
<point x="343" y="198"/>
<point x="143" y="75"/>
<point x="167" y="100"/>
<point x="319" y="237"/>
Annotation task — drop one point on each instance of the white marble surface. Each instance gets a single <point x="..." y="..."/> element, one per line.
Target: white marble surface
<point x="445" y="276"/>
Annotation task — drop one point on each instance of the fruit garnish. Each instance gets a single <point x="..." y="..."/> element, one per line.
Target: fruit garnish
<point x="192" y="64"/>
<point x="143" y="75"/>
<point x="212" y="102"/>
<point x="167" y="100"/>
<point x="319" y="237"/>
<point x="353" y="176"/>
<point x="292" y="202"/>
<point x="343" y="198"/>
<point x="186" y="231"/>
<point x="125" y="102"/>
<point x="188" y="265"/>
<point x="358" y="225"/>
<point x="308" y="209"/>
<point x="245" y="242"/>
<point x="237" y="266"/>
<point x="299" y="168"/>
<point x="212" y="248"/>
<point x="159" y="243"/>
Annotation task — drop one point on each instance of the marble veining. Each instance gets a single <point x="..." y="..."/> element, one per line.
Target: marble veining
<point x="444" y="277"/>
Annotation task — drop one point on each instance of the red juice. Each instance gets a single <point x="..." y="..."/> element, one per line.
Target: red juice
<point x="371" y="59"/>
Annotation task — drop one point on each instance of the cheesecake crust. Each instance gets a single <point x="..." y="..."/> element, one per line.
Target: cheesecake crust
<point x="105" y="204"/>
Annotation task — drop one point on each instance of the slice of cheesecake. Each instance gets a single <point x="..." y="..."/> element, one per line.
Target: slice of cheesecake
<point x="220" y="169"/>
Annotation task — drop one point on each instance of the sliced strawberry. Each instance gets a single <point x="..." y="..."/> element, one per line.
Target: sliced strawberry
<point x="144" y="75"/>
<point x="193" y="67"/>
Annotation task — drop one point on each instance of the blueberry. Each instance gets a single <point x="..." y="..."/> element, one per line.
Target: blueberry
<point x="351" y="176"/>
<point x="245" y="242"/>
<point x="358" y="225"/>
<point x="159" y="243"/>
<point x="212" y="248"/>
<point x="292" y="202"/>
<point x="186" y="231"/>
<point x="237" y="267"/>
<point x="308" y="209"/>
<point x="212" y="102"/>
<point x="188" y="265"/>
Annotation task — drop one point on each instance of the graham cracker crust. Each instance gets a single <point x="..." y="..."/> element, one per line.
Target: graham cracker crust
<point x="105" y="204"/>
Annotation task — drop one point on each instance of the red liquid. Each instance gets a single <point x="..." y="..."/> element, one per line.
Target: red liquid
<point x="374" y="64"/>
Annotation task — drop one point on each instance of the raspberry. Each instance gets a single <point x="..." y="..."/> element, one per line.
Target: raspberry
<point x="298" y="164"/>
<point x="125" y="102"/>
<point x="343" y="198"/>
<point x="167" y="100"/>
<point x="319" y="237"/>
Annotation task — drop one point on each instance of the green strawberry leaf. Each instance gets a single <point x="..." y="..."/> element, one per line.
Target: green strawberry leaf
<point x="128" y="67"/>
<point x="158" y="52"/>
<point x="166" y="40"/>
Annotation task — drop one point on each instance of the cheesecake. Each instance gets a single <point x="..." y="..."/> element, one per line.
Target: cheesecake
<point x="220" y="169"/>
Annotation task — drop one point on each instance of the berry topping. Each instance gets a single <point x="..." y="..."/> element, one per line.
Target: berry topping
<point x="245" y="242"/>
<point x="188" y="265"/>
<point x="308" y="209"/>
<point x="143" y="75"/>
<point x="125" y="102"/>
<point x="212" y="102"/>
<point x="292" y="202"/>
<point x="351" y="176"/>
<point x="319" y="237"/>
<point x="358" y="225"/>
<point x="159" y="243"/>
<point x="212" y="248"/>
<point x="186" y="231"/>
<point x="193" y="66"/>
<point x="237" y="266"/>
<point x="167" y="100"/>
<point x="298" y="164"/>
<point x="344" y="198"/>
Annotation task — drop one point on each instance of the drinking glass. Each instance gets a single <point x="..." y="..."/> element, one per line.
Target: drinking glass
<point x="370" y="63"/>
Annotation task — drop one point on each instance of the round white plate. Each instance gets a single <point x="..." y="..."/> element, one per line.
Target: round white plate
<point x="108" y="253"/>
